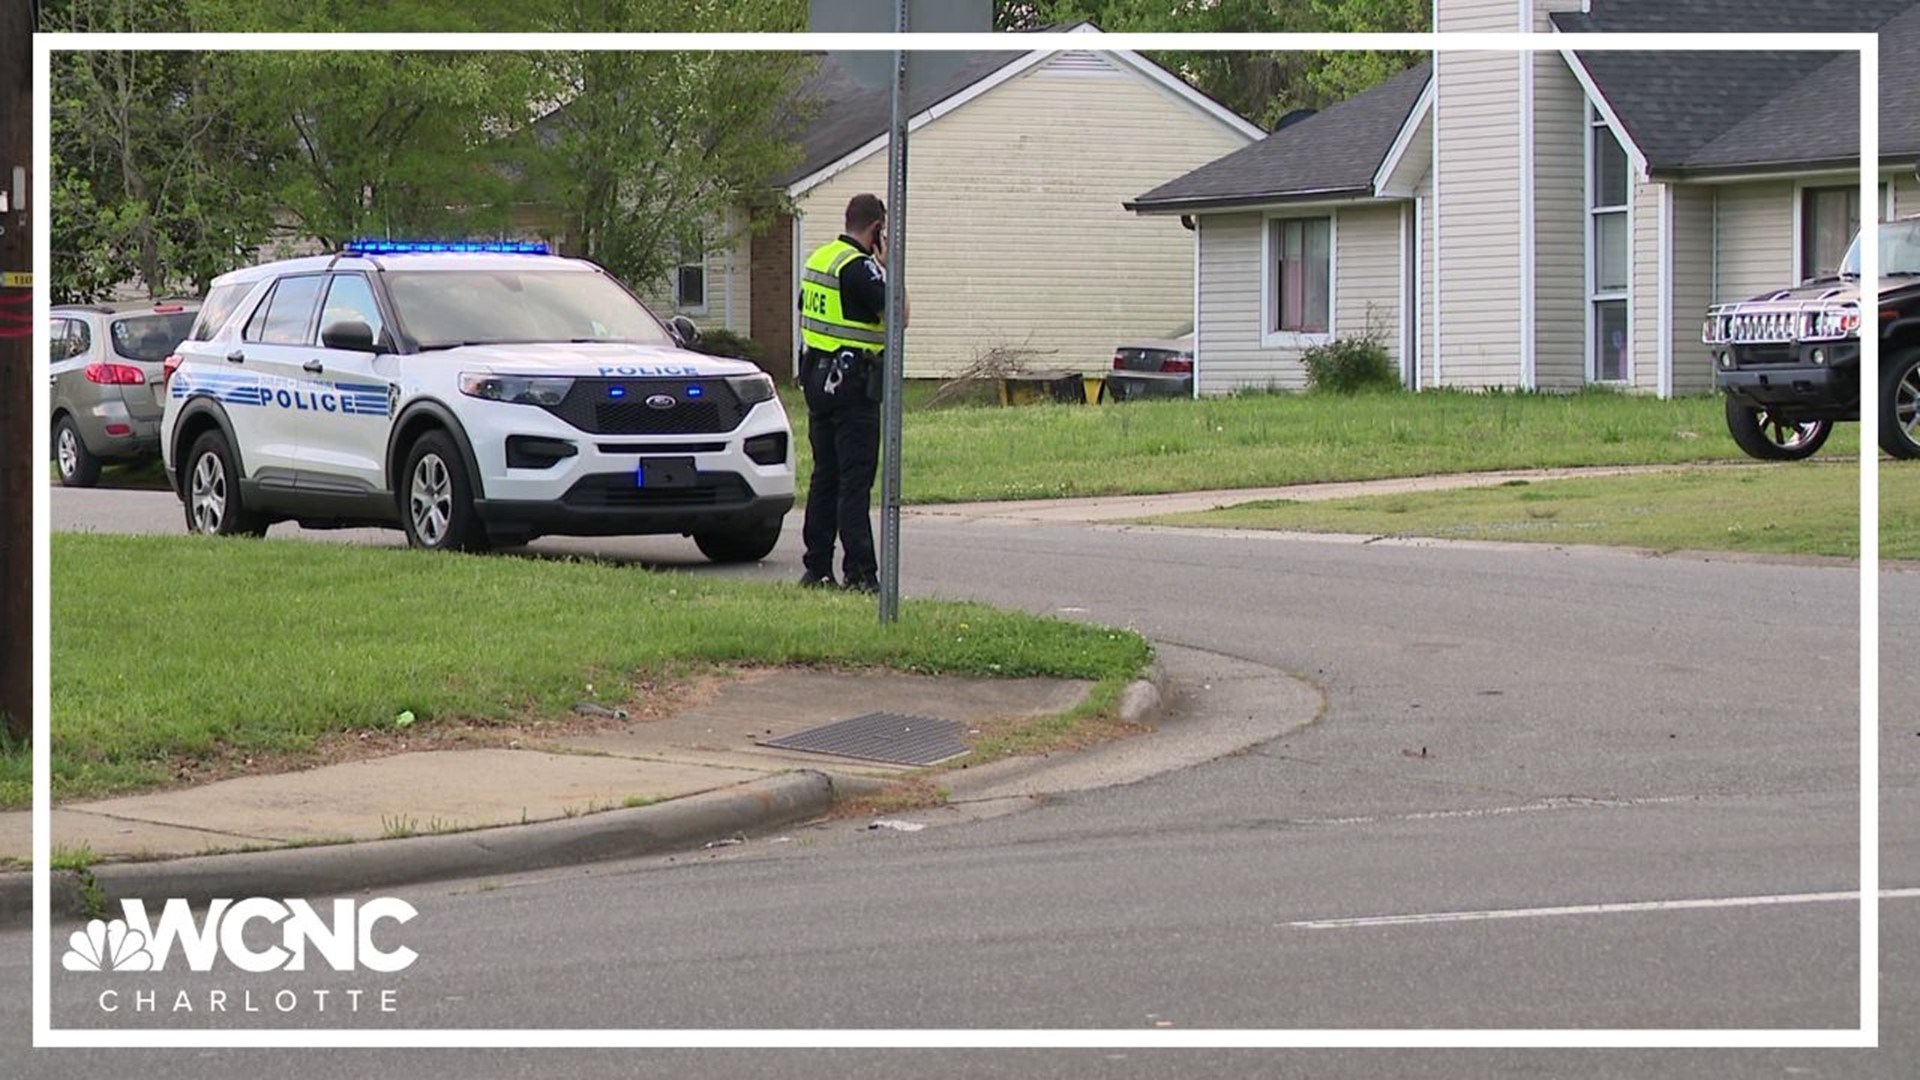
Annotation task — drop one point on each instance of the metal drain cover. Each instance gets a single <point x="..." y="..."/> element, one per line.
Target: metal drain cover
<point x="893" y="738"/>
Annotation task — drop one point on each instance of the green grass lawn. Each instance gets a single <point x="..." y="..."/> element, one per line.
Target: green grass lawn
<point x="1804" y="509"/>
<point x="1260" y="440"/>
<point x="171" y="651"/>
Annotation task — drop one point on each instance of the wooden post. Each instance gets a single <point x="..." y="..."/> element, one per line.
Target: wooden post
<point x="16" y="368"/>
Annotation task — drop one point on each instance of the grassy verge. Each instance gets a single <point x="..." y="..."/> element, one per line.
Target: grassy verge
<point x="1259" y="440"/>
<point x="181" y="655"/>
<point x="1801" y="509"/>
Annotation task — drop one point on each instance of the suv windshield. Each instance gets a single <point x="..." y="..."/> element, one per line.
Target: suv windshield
<point x="151" y="338"/>
<point x="445" y="308"/>
<point x="1899" y="250"/>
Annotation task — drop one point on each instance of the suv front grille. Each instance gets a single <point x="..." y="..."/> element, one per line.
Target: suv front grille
<point x="1776" y="353"/>
<point x="617" y="491"/>
<point x="619" y="407"/>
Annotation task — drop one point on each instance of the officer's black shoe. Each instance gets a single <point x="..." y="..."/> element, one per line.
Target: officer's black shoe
<point x="868" y="584"/>
<point x="811" y="580"/>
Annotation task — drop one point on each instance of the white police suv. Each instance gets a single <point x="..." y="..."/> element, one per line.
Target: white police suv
<point x="474" y="395"/>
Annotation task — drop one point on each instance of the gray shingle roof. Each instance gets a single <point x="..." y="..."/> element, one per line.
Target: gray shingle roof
<point x="1697" y="112"/>
<point x="846" y="115"/>
<point x="1814" y="121"/>
<point x="1681" y="16"/>
<point x="1335" y="152"/>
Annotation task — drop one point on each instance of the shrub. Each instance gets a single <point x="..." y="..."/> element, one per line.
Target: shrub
<point x="1350" y="366"/>
<point x="729" y="344"/>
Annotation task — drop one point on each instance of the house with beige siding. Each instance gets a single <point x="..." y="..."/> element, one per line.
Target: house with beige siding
<point x="1550" y="220"/>
<point x="1016" y="236"/>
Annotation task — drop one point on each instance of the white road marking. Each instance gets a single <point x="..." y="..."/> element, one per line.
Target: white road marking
<point x="1595" y="909"/>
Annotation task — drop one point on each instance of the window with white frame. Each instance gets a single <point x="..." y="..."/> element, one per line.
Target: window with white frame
<point x="1300" y="275"/>
<point x="1829" y="220"/>
<point x="1610" y="251"/>
<point x="690" y="279"/>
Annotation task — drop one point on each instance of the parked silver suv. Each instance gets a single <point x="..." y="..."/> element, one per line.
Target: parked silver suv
<point x="108" y="386"/>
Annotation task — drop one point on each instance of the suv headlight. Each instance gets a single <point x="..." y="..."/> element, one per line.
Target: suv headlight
<point x="1833" y="324"/>
<point x="516" y="389"/>
<point x="752" y="389"/>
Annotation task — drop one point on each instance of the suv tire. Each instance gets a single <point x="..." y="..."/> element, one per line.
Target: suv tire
<point x="78" y="467"/>
<point x="211" y="485"/>
<point x="1900" y="405"/>
<point x="436" y="497"/>
<point x="739" y="545"/>
<point x="1763" y="437"/>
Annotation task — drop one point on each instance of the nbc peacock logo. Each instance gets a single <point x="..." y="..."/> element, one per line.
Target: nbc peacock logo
<point x="107" y="946"/>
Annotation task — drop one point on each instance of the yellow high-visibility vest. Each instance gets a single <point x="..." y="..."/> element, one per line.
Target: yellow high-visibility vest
<point x="824" y="323"/>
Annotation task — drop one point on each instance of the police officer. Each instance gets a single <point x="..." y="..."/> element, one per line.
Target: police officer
<point x="843" y="300"/>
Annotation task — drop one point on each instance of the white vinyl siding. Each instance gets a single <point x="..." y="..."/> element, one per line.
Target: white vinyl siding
<point x="1560" y="236"/>
<point x="1643" y="310"/>
<point x="1231" y="355"/>
<point x="1906" y="195"/>
<point x="1016" y="232"/>
<point x="1499" y="16"/>
<point x="1368" y="267"/>
<point x="1234" y="350"/>
<point x="728" y="285"/>
<point x="1753" y="227"/>
<point x="1692" y="246"/>
<point x="1424" y="377"/>
<point x="1478" y="177"/>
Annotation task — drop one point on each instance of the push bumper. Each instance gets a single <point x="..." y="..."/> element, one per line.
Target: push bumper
<point x="1796" y="390"/>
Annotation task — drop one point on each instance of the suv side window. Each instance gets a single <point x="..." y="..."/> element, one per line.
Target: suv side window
<point x="258" y="320"/>
<point x="290" y="311"/>
<point x="218" y="308"/>
<point x="79" y="337"/>
<point x="350" y="298"/>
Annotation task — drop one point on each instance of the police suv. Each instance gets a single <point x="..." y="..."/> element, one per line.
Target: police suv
<point x="474" y="395"/>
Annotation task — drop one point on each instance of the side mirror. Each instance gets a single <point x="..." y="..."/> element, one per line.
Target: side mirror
<point x="351" y="335"/>
<point x="684" y="331"/>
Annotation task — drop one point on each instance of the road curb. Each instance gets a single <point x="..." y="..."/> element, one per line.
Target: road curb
<point x="347" y="868"/>
<point x="1144" y="700"/>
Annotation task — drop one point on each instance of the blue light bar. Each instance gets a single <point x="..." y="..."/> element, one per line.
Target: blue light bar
<point x="450" y="247"/>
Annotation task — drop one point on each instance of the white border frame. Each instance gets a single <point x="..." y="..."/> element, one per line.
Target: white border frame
<point x="1867" y="1035"/>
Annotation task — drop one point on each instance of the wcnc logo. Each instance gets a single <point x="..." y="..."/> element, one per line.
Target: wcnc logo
<point x="137" y="943"/>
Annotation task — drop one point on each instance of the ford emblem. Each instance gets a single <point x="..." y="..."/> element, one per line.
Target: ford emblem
<point x="661" y="401"/>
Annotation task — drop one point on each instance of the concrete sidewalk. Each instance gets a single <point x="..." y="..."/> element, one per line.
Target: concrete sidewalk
<point x="624" y="764"/>
<point x="1132" y="507"/>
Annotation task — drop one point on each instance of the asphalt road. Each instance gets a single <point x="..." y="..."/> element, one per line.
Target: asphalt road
<point x="1511" y="730"/>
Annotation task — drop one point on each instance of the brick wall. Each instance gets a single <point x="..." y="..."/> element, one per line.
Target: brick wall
<point x="771" y="267"/>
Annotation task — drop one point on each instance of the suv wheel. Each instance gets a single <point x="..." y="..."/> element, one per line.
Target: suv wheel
<point x="750" y="544"/>
<point x="1764" y="436"/>
<point x="437" y="498"/>
<point x="78" y="466"/>
<point x="213" y="502"/>
<point x="1900" y="405"/>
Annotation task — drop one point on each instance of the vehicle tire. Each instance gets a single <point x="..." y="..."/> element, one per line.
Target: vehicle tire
<point x="212" y="490"/>
<point x="436" y="497"/>
<point x="750" y="544"/>
<point x="78" y="467"/>
<point x="1763" y="437"/>
<point x="1900" y="405"/>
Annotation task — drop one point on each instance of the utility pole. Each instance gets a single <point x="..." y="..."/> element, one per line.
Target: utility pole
<point x="16" y="370"/>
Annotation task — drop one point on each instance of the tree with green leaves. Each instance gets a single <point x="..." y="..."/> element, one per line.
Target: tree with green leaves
<point x="1262" y="86"/>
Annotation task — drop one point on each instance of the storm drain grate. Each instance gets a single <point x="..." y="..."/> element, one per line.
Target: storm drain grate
<point x="893" y="738"/>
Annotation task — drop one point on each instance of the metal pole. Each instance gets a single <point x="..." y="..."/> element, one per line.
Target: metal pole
<point x="16" y="373"/>
<point x="894" y="359"/>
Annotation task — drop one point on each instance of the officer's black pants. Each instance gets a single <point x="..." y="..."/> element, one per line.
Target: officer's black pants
<point x="844" y="431"/>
